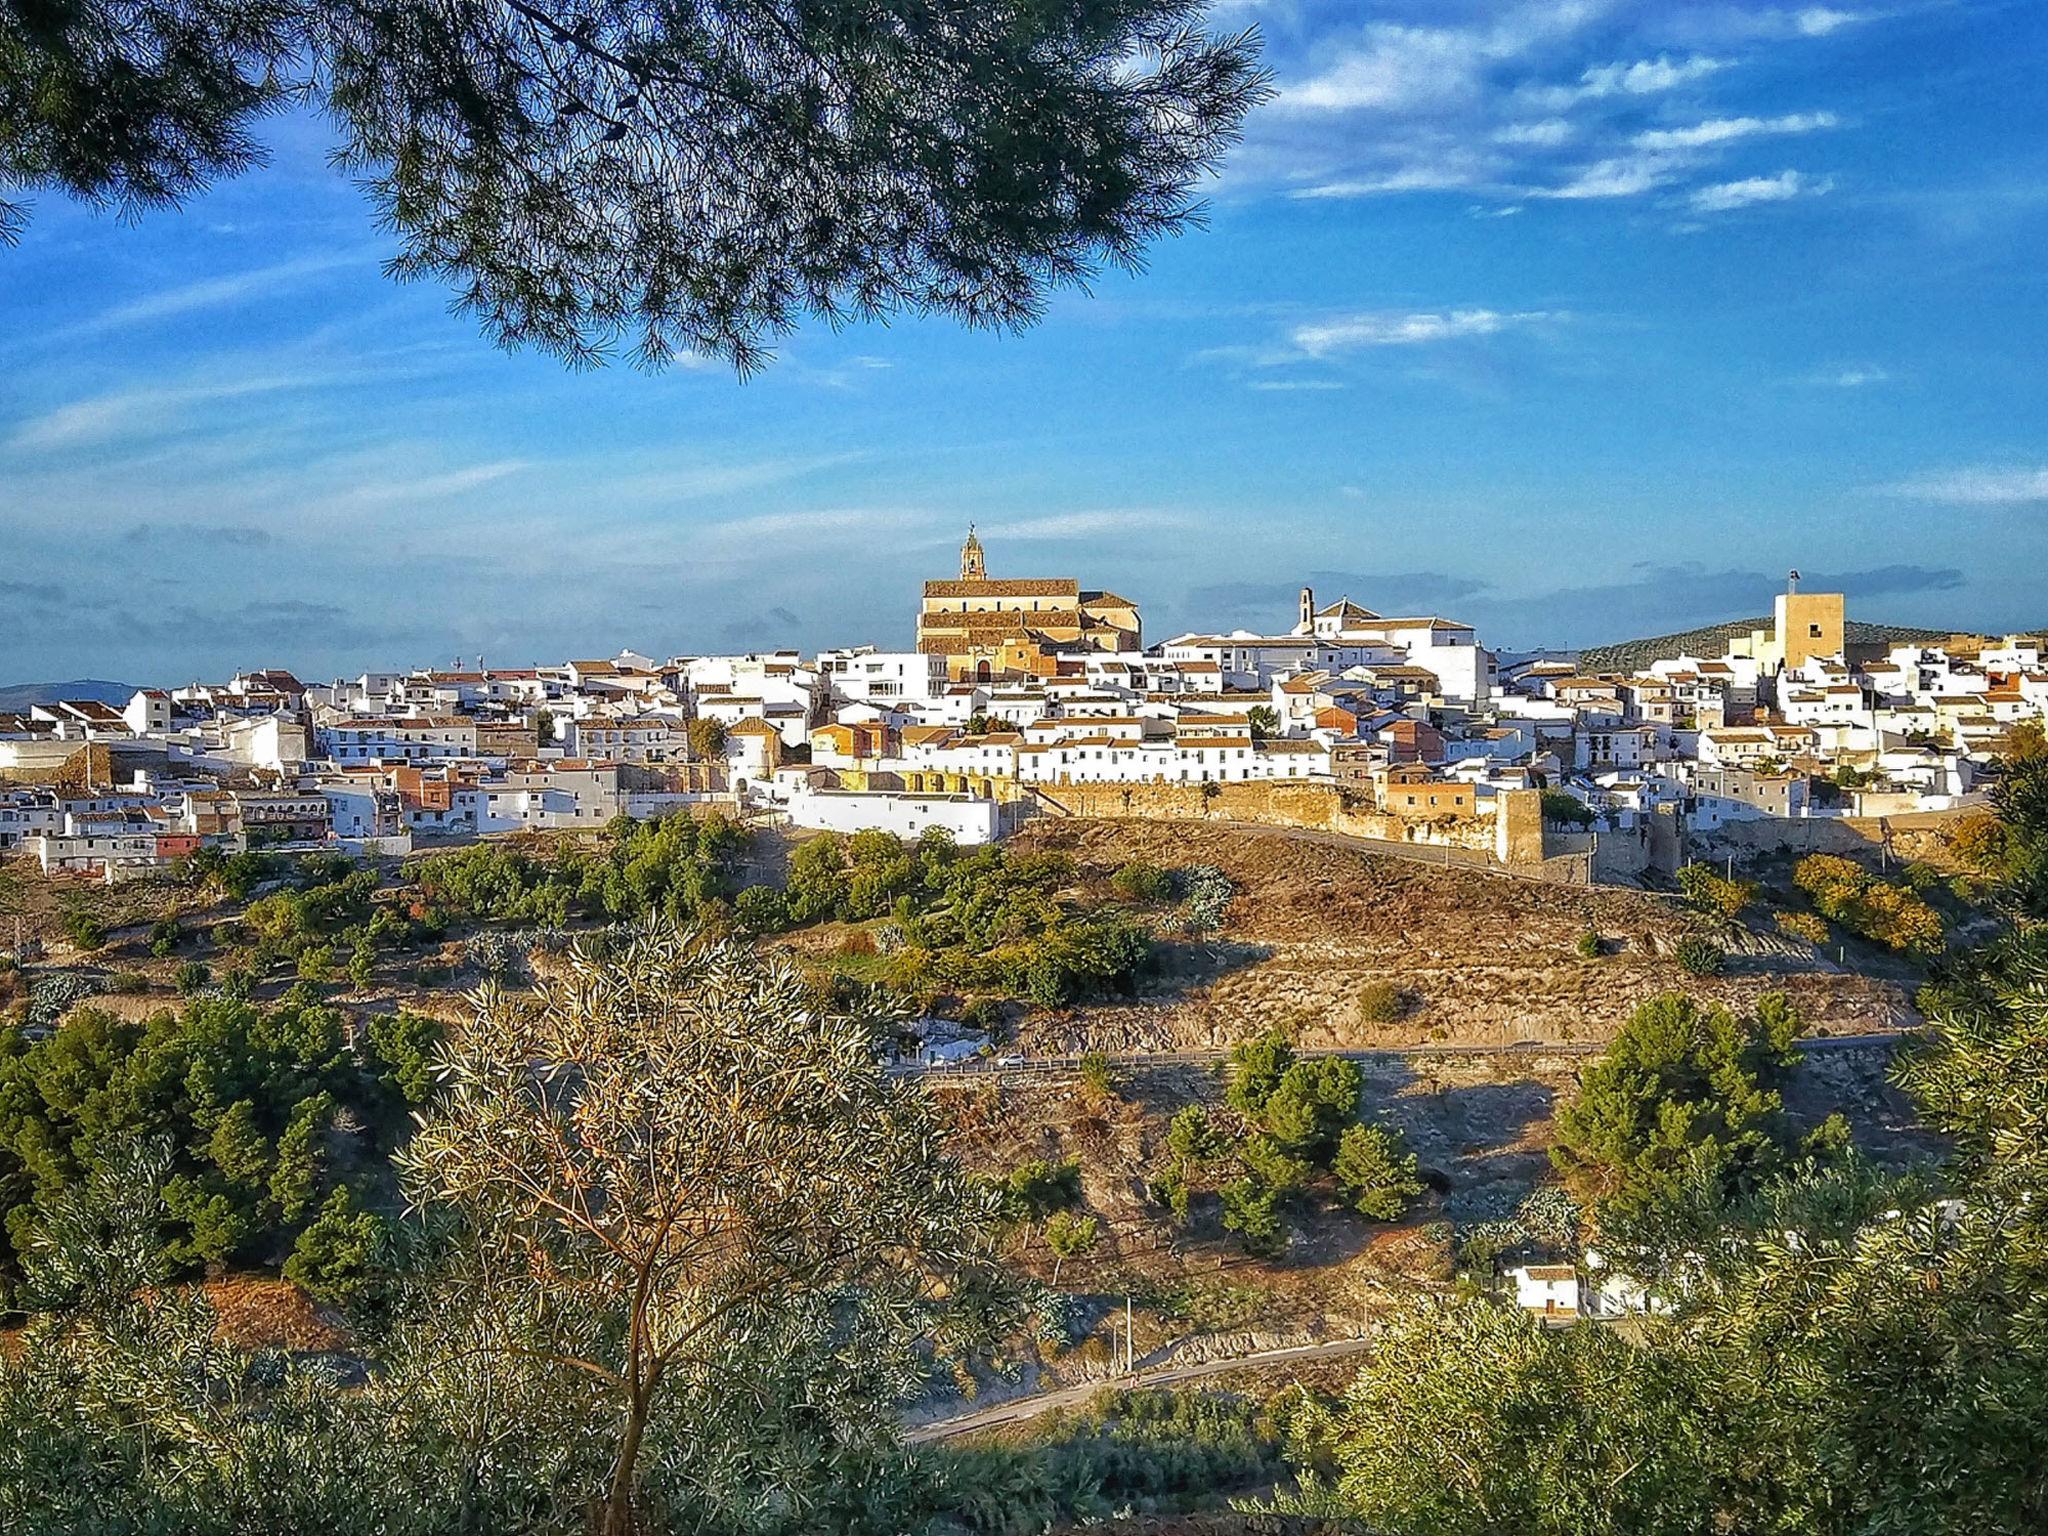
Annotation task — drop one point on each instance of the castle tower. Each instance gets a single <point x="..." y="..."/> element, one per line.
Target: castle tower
<point x="972" y="567"/>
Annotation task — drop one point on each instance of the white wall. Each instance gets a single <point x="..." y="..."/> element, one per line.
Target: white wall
<point x="969" y="819"/>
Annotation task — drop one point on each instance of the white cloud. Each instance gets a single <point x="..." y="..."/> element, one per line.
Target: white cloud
<point x="144" y="412"/>
<point x="1783" y="187"/>
<point x="443" y="483"/>
<point x="1292" y="385"/>
<point x="1725" y="130"/>
<point x="213" y="293"/>
<point x="1081" y="525"/>
<point x="1543" y="133"/>
<point x="1397" y="67"/>
<point x="1619" y="176"/>
<point x="1978" y="487"/>
<point x="1351" y="332"/>
<point x="1850" y="378"/>
<point x="1643" y="77"/>
<point x="1414" y="178"/>
<point x="1820" y="20"/>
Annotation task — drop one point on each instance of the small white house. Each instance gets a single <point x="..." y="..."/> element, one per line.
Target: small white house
<point x="1548" y="1290"/>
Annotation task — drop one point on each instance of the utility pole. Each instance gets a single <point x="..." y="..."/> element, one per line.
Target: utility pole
<point x="1130" y="1347"/>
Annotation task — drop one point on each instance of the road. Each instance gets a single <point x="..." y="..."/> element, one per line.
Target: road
<point x="1018" y="1409"/>
<point x="1028" y="1066"/>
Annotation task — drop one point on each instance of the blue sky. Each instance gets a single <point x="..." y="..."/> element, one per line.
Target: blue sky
<point x="1575" y="320"/>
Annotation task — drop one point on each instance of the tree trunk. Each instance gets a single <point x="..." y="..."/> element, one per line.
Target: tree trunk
<point x="616" y="1518"/>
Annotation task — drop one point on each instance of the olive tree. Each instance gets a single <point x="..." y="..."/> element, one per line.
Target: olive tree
<point x="665" y="1158"/>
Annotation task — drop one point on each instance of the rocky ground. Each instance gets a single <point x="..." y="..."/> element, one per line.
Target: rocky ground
<point x="1480" y="959"/>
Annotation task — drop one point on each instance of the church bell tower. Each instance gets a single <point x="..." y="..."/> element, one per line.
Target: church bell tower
<point x="971" y="566"/>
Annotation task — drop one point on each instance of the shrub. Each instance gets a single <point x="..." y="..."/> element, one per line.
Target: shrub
<point x="1711" y="892"/>
<point x="983" y="1013"/>
<point x="858" y="942"/>
<point x="334" y="1256"/>
<point x="1251" y="1209"/>
<point x="1096" y="1078"/>
<point x="1205" y="893"/>
<point x="127" y="982"/>
<point x="1891" y="915"/>
<point x="192" y="977"/>
<point x="1142" y="882"/>
<point x="1701" y="957"/>
<point x="1381" y="1002"/>
<point x="1803" y="925"/>
<point x="84" y="929"/>
<point x="1036" y="1188"/>
<point x="1376" y="1171"/>
<point x="54" y="994"/>
<point x="761" y="909"/>
<point x="1589" y="945"/>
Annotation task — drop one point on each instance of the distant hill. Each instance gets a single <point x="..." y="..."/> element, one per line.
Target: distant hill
<point x="1632" y="655"/>
<point x="20" y="696"/>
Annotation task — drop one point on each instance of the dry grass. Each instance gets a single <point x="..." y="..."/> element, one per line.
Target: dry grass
<point x="1480" y="960"/>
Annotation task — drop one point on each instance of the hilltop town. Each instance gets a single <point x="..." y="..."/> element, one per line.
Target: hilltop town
<point x="1028" y="698"/>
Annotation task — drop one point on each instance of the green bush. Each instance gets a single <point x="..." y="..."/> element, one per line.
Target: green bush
<point x="1589" y="945"/>
<point x="1142" y="882"/>
<point x="84" y="929"/>
<point x="761" y="909"/>
<point x="1712" y="892"/>
<point x="1699" y="956"/>
<point x="1381" y="1002"/>
<point x="1686" y="1091"/>
<point x="336" y="1255"/>
<point x="1376" y="1171"/>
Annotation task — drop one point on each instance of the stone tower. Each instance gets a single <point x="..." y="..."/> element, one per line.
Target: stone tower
<point x="971" y="565"/>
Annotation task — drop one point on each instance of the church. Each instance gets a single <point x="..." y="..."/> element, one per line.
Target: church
<point x="987" y="628"/>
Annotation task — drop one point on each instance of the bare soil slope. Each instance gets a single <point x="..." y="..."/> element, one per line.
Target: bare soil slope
<point x="1481" y="959"/>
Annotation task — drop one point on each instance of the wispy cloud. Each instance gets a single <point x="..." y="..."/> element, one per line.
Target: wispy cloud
<point x="1350" y="332"/>
<point x="136" y="412"/>
<point x="1856" y="377"/>
<point x="1725" y="196"/>
<point x="1642" y="77"/>
<point x="1977" y="487"/>
<point x="1081" y="525"/>
<point x="199" y="535"/>
<point x="212" y="293"/>
<point x="1726" y="130"/>
<point x="1548" y="95"/>
<point x="437" y="485"/>
<point x="1617" y="176"/>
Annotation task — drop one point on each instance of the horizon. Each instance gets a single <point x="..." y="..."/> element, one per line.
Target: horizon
<point x="1575" y="321"/>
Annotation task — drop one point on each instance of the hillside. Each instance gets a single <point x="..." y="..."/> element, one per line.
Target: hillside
<point x="19" y="696"/>
<point x="1631" y="655"/>
<point x="1480" y="960"/>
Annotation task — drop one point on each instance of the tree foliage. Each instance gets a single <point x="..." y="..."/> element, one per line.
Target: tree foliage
<point x="669" y="1155"/>
<point x="1845" y="892"/>
<point x="1684" y="1084"/>
<point x="262" y="1112"/>
<point x="590" y="176"/>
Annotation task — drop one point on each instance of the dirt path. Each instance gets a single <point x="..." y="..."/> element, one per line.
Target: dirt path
<point x="1018" y="1409"/>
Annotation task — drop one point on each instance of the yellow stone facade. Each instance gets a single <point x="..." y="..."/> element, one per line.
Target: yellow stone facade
<point x="988" y="628"/>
